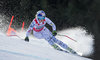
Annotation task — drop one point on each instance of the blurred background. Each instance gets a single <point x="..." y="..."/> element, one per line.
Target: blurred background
<point x="64" y="13"/>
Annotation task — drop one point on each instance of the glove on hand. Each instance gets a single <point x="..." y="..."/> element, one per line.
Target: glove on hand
<point x="27" y="39"/>
<point x="54" y="33"/>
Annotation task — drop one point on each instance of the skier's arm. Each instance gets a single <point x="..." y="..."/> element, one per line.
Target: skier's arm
<point x="51" y="24"/>
<point x="30" y="28"/>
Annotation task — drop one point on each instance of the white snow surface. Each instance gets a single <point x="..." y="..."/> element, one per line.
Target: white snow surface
<point x="14" y="48"/>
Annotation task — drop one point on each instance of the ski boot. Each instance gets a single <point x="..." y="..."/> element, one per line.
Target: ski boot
<point x="71" y="51"/>
<point x="56" y="47"/>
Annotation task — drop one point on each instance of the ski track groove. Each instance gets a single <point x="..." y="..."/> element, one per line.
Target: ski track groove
<point x="27" y="55"/>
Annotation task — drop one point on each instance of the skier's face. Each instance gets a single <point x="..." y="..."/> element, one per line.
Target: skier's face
<point x="41" y="20"/>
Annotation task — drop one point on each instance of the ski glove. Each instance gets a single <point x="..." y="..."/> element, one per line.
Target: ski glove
<point x="54" y="33"/>
<point x="27" y="39"/>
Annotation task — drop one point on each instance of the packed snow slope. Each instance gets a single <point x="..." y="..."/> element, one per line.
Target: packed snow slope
<point x="14" y="48"/>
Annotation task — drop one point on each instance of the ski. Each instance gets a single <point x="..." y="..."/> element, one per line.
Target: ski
<point x="68" y="52"/>
<point x="63" y="50"/>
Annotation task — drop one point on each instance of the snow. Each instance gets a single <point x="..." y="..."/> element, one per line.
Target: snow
<point x="85" y="41"/>
<point x="14" y="48"/>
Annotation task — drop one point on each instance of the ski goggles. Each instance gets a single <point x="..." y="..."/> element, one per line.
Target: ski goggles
<point x="41" y="18"/>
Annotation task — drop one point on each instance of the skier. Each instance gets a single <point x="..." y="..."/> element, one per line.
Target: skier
<point x="40" y="31"/>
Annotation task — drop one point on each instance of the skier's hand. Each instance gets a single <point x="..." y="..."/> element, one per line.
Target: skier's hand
<point x="54" y="33"/>
<point x="27" y="39"/>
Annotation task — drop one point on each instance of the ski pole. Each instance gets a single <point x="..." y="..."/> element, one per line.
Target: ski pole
<point x="67" y="37"/>
<point x="19" y="37"/>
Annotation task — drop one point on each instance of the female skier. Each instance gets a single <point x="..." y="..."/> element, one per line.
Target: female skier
<point x="40" y="31"/>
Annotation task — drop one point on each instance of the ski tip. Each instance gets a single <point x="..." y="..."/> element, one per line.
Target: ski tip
<point x="79" y="53"/>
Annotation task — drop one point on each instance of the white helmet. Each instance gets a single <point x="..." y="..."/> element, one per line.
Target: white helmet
<point x="40" y="15"/>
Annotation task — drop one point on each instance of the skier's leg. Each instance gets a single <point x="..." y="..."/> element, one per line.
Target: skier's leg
<point x="63" y="45"/>
<point x="48" y="37"/>
<point x="51" y="42"/>
<point x="44" y="34"/>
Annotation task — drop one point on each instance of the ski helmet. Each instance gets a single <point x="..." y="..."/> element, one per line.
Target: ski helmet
<point x="40" y="15"/>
